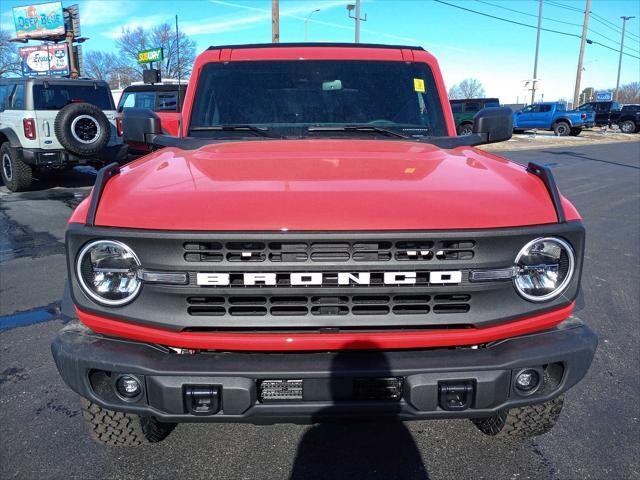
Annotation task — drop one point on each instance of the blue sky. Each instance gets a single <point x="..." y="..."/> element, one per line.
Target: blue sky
<point x="499" y="54"/>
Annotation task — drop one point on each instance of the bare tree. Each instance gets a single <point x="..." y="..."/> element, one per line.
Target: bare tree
<point x="132" y="41"/>
<point x="109" y="67"/>
<point x="629" y="93"/>
<point x="9" y="60"/>
<point x="165" y="36"/>
<point x="467" y="88"/>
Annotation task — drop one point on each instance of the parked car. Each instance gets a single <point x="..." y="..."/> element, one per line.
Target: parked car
<point x="55" y="123"/>
<point x="162" y="98"/>
<point x="606" y="113"/>
<point x="629" y="119"/>
<point x="552" y="116"/>
<point x="464" y="111"/>
<point x="315" y="246"/>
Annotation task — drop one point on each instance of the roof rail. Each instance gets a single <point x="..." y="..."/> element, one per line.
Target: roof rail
<point x="544" y="173"/>
<point x="314" y="44"/>
<point x="104" y="174"/>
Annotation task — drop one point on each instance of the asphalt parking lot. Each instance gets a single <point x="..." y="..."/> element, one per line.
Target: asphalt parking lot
<point x="597" y="437"/>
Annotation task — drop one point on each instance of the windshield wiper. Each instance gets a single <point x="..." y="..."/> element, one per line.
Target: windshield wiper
<point x="358" y="128"/>
<point x="262" y="131"/>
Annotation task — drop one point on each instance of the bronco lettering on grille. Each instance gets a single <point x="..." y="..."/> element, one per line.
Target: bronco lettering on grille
<point x="334" y="279"/>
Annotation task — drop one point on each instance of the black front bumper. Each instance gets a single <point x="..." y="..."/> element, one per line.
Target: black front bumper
<point x="90" y="364"/>
<point x="50" y="158"/>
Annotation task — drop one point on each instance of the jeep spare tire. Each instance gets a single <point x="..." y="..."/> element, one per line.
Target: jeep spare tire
<point x="82" y="128"/>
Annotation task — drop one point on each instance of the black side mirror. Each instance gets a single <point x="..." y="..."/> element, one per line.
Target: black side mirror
<point x="140" y="126"/>
<point x="494" y="124"/>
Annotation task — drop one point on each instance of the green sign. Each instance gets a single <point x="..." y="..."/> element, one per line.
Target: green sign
<point x="151" y="55"/>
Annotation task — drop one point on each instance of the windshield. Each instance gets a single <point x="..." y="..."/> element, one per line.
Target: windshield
<point x="54" y="97"/>
<point x="282" y="95"/>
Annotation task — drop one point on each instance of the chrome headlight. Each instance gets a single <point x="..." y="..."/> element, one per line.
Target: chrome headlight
<point x="108" y="272"/>
<point x="544" y="268"/>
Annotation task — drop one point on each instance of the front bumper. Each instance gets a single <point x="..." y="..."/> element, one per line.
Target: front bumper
<point x="89" y="363"/>
<point x="50" y="158"/>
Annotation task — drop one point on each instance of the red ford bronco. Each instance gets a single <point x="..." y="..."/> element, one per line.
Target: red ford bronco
<point x="318" y="243"/>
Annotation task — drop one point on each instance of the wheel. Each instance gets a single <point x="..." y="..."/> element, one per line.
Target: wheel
<point x="82" y="129"/>
<point x="120" y="429"/>
<point x="522" y="422"/>
<point x="561" y="129"/>
<point x="627" y="126"/>
<point x="16" y="174"/>
<point x="465" y="129"/>
<point x="575" y="132"/>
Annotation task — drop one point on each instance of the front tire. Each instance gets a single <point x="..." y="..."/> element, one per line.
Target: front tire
<point x="465" y="129"/>
<point x="627" y="126"/>
<point x="575" y="132"/>
<point x="16" y="174"/>
<point x="522" y="422"/>
<point x="561" y="129"/>
<point x="119" y="429"/>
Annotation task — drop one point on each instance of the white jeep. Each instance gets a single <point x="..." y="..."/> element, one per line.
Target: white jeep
<point x="50" y="123"/>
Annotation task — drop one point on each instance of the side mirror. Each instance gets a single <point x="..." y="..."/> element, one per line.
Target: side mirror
<point x="140" y="126"/>
<point x="494" y="124"/>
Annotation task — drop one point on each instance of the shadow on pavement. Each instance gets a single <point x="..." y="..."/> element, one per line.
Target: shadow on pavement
<point x="83" y="176"/>
<point x="379" y="449"/>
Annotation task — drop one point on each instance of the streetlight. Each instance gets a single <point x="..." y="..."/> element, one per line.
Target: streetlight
<point x="306" y="20"/>
<point x="624" y="24"/>
<point x="350" y="8"/>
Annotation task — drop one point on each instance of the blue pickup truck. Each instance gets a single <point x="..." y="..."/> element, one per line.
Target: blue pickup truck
<point x="552" y="116"/>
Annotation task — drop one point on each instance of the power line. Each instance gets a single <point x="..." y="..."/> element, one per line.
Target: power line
<point x="611" y="26"/>
<point x="615" y="42"/>
<point x="531" y="26"/>
<point x="557" y="21"/>
<point x="528" y="14"/>
<point x="506" y="19"/>
<point x="567" y="7"/>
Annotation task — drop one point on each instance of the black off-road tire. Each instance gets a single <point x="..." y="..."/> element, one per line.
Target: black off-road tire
<point x="522" y="422"/>
<point x="88" y="135"/>
<point x="16" y="174"/>
<point x="465" y="129"/>
<point x="627" y="126"/>
<point x="561" y="129"/>
<point x="575" y="132"/>
<point x="119" y="429"/>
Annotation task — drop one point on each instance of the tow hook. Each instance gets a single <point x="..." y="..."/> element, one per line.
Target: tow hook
<point x="202" y="399"/>
<point x="455" y="396"/>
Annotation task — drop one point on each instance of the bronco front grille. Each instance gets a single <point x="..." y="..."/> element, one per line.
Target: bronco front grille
<point x="327" y="305"/>
<point x="329" y="252"/>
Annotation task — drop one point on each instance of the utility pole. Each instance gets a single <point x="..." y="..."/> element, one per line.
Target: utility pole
<point x="576" y="92"/>
<point x="624" y="24"/>
<point x="357" y="17"/>
<point x="535" y="63"/>
<point x="306" y="21"/>
<point x="275" y="21"/>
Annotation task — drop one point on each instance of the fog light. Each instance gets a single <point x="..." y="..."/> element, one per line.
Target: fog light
<point x="128" y="386"/>
<point x="527" y="381"/>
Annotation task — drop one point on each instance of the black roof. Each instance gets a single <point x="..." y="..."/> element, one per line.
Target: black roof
<point x="314" y="44"/>
<point x="156" y="87"/>
<point x="53" y="80"/>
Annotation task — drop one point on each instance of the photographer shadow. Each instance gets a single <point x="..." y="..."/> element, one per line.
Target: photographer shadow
<point x="379" y="446"/>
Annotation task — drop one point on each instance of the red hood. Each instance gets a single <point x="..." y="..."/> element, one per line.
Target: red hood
<point x="323" y="185"/>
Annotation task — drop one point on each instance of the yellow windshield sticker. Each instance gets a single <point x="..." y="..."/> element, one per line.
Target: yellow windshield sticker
<point x="418" y="85"/>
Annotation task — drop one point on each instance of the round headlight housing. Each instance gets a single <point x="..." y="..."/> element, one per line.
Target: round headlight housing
<point x="108" y="272"/>
<point x="544" y="268"/>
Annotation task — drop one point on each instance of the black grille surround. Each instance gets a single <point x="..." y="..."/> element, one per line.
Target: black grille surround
<point x="327" y="307"/>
